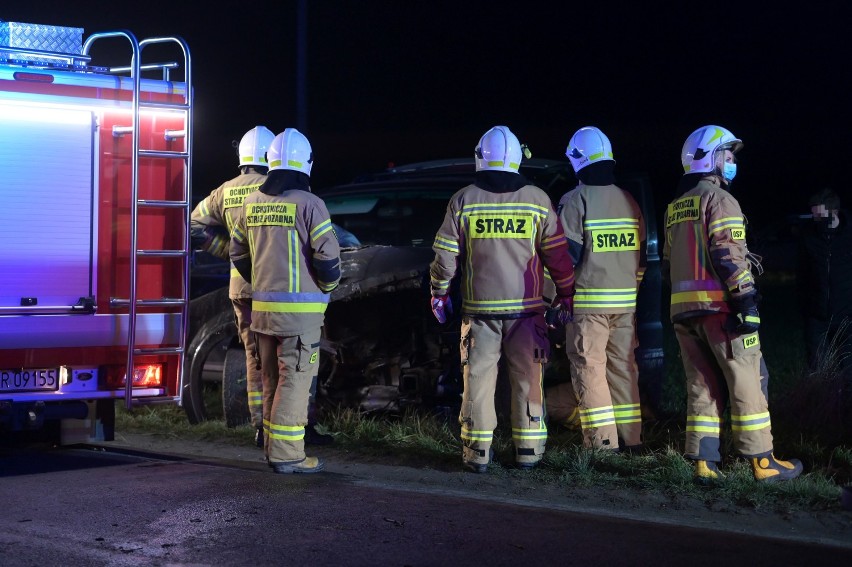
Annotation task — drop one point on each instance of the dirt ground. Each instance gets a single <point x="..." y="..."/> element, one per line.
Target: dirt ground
<point x="832" y="527"/>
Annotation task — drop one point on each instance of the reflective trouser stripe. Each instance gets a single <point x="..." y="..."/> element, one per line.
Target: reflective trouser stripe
<point x="750" y="422"/>
<point x="288" y="432"/>
<point x="627" y="413"/>
<point x="716" y="361"/>
<point x="519" y="434"/>
<point x="472" y="435"/>
<point x="704" y="424"/>
<point x="597" y="417"/>
<point x="601" y="350"/>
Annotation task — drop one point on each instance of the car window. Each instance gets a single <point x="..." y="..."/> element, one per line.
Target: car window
<point x="391" y="219"/>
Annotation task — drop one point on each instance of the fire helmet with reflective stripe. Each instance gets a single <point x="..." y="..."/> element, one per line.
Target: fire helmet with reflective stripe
<point x="498" y="150"/>
<point x="587" y="146"/>
<point x="253" y="146"/>
<point x="291" y="150"/>
<point x="699" y="153"/>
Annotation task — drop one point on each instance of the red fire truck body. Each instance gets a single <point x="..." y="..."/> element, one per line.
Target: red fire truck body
<point x="95" y="191"/>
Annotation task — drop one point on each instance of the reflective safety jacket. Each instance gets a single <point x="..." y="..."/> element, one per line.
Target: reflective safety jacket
<point x="218" y="210"/>
<point x="705" y="251"/>
<point x="295" y="259"/>
<point x="502" y="241"/>
<point x="606" y="234"/>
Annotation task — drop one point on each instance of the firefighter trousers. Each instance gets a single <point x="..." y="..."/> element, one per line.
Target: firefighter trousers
<point x="288" y="367"/>
<point x="254" y="383"/>
<point x="721" y="365"/>
<point x="525" y="346"/>
<point x="602" y="351"/>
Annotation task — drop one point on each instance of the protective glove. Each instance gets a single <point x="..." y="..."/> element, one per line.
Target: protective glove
<point x="442" y="308"/>
<point x="561" y="312"/>
<point x="748" y="318"/>
<point x="749" y="321"/>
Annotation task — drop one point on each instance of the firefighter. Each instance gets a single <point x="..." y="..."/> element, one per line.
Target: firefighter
<point x="499" y="233"/>
<point x="212" y="221"/>
<point x="211" y="224"/>
<point x="606" y="239"/>
<point x="714" y="311"/>
<point x="284" y="245"/>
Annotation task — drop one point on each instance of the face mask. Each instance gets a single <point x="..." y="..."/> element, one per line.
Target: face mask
<point x="729" y="171"/>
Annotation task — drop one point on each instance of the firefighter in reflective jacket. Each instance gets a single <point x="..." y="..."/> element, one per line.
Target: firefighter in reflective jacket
<point x="212" y="221"/>
<point x="284" y="244"/>
<point x="501" y="232"/>
<point x="606" y="238"/>
<point x="714" y="311"/>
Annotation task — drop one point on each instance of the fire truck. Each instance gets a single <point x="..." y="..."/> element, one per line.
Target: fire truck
<point x="95" y="165"/>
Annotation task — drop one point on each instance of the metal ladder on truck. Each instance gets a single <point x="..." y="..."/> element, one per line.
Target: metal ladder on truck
<point x="133" y="302"/>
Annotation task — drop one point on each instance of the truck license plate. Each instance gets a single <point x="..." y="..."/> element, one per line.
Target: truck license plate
<point x="29" y="379"/>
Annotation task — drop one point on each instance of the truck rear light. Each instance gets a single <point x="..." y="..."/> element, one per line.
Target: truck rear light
<point x="34" y="77"/>
<point x="144" y="376"/>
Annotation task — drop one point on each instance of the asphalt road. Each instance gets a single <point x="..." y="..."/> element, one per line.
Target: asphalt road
<point x="85" y="506"/>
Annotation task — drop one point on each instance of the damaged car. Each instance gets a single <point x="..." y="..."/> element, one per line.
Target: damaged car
<point x="382" y="350"/>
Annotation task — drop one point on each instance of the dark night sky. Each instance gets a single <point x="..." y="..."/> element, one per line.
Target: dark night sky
<point x="399" y="81"/>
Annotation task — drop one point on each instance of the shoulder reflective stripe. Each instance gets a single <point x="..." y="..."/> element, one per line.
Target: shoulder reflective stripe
<point x="727" y="221"/>
<point x="320" y="229"/>
<point x="728" y="225"/>
<point x="204" y="209"/>
<point x="238" y="235"/>
<point x="446" y="244"/>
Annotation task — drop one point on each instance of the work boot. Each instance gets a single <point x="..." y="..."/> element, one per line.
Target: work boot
<point x="258" y="437"/>
<point x="314" y="437"/>
<point x="707" y="472"/>
<point x="479" y="468"/>
<point x="306" y="465"/>
<point x="769" y="469"/>
<point x="527" y="466"/>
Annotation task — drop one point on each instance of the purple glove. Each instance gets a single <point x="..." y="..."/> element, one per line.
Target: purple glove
<point x="442" y="308"/>
<point x="561" y="311"/>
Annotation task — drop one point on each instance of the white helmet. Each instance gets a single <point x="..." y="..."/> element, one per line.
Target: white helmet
<point x="291" y="150"/>
<point x="587" y="146"/>
<point x="702" y="146"/>
<point x="498" y="150"/>
<point x="253" y="146"/>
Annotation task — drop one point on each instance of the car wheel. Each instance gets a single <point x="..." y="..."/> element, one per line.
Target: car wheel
<point x="205" y="362"/>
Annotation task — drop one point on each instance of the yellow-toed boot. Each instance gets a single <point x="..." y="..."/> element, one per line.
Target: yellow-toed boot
<point x="707" y="472"/>
<point x="769" y="469"/>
